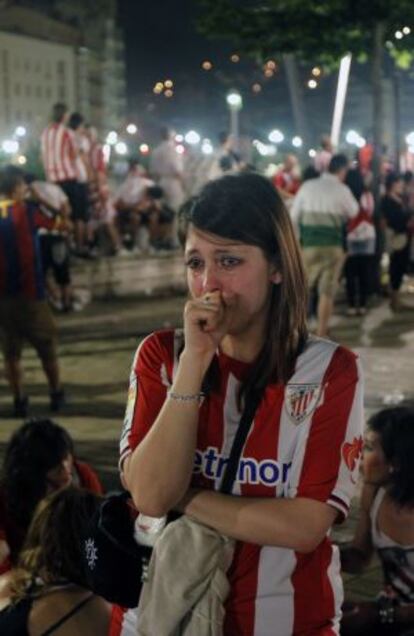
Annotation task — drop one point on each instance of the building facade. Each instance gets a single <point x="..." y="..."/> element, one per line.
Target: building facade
<point x="43" y="60"/>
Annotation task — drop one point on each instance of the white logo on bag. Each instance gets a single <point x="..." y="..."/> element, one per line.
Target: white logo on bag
<point x="91" y="553"/>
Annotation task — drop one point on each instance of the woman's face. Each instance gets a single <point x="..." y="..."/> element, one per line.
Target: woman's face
<point x="375" y="468"/>
<point x="241" y="273"/>
<point x="61" y="475"/>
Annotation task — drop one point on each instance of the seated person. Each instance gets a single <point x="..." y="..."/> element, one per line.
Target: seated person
<point x="48" y="591"/>
<point x="128" y="197"/>
<point x="39" y="459"/>
<point x="386" y="525"/>
<point x="155" y="220"/>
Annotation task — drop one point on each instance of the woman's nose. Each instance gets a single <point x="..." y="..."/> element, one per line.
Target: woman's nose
<point x="211" y="280"/>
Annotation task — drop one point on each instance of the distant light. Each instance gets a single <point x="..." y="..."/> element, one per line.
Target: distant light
<point x="312" y="84"/>
<point x="389" y="44"/>
<point x="168" y="83"/>
<point x="360" y="142"/>
<point x="316" y="71"/>
<point x="271" y="64"/>
<point x="265" y="150"/>
<point x="168" y="92"/>
<point x="406" y="30"/>
<point x="256" y="88"/>
<point x="234" y="100"/>
<point x="235" y="58"/>
<point x="158" y="88"/>
<point x="21" y="159"/>
<point x="206" y="147"/>
<point x="180" y="149"/>
<point x="352" y="137"/>
<point x="179" y="138"/>
<point x="410" y="138"/>
<point x="297" y="141"/>
<point x="276" y="136"/>
<point x="268" y="72"/>
<point x="192" y="137"/>
<point x="10" y="146"/>
<point x="144" y="149"/>
<point x="207" y="65"/>
<point x="398" y="35"/>
<point x="312" y="153"/>
<point x="112" y="138"/>
<point x="121" y="148"/>
<point x="20" y="131"/>
<point x="131" y="129"/>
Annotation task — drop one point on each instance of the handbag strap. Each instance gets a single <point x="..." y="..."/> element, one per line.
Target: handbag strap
<point x="252" y="402"/>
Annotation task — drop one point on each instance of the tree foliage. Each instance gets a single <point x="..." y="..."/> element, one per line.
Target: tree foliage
<point x="314" y="30"/>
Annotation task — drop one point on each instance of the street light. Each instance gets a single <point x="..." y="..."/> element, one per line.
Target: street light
<point x="10" y="146"/>
<point x="235" y="103"/>
<point x="297" y="142"/>
<point x="276" y="136"/>
<point x="192" y="137"/>
<point x="20" y="131"/>
<point x="121" y="148"/>
<point x="131" y="129"/>
<point x="112" y="138"/>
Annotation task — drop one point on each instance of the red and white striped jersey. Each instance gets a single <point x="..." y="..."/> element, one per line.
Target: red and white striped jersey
<point x="58" y="148"/>
<point x="305" y="441"/>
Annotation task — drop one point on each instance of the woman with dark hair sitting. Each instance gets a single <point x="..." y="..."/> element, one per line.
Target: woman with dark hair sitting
<point x="245" y="355"/>
<point x="39" y="459"/>
<point x="385" y="526"/>
<point x="48" y="591"/>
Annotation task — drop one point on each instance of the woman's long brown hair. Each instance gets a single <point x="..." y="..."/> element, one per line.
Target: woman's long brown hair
<point x="247" y="208"/>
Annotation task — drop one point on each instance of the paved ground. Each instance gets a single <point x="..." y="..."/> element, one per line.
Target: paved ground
<point x="96" y="352"/>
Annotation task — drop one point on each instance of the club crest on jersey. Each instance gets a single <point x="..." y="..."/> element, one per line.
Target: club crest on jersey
<point x="301" y="400"/>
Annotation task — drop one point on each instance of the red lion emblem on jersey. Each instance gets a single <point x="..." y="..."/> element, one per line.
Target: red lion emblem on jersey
<point x="351" y="453"/>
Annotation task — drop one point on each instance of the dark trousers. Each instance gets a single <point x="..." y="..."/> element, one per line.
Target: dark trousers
<point x="358" y="269"/>
<point x="398" y="267"/>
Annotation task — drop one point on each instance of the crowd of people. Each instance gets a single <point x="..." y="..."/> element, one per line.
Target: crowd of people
<point x="243" y="432"/>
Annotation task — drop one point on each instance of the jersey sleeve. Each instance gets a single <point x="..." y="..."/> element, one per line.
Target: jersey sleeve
<point x="148" y="384"/>
<point x="330" y="451"/>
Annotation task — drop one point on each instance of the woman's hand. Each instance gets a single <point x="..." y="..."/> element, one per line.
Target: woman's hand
<point x="206" y="320"/>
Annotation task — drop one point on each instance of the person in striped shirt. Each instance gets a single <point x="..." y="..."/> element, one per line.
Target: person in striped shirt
<point x="61" y="160"/>
<point x="245" y="335"/>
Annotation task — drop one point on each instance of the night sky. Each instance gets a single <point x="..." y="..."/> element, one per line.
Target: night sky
<point x="162" y="42"/>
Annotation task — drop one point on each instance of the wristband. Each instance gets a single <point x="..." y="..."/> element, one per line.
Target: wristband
<point x="183" y="397"/>
<point x="386" y="610"/>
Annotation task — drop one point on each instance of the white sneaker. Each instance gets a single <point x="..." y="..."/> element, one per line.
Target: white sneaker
<point x="123" y="252"/>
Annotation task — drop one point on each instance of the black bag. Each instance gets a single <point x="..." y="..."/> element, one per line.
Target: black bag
<point x="115" y="564"/>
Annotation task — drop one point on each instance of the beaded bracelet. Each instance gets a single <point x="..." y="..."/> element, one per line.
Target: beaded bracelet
<point x="182" y="397"/>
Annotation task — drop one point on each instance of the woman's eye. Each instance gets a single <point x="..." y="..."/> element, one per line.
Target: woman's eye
<point x="229" y="261"/>
<point x="194" y="263"/>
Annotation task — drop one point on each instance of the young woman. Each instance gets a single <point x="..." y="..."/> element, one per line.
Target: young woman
<point x="48" y="593"/>
<point x="245" y="336"/>
<point x="39" y="459"/>
<point x="386" y="525"/>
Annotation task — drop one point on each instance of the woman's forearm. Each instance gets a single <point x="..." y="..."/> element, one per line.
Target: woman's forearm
<point x="159" y="470"/>
<point x="299" y="524"/>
